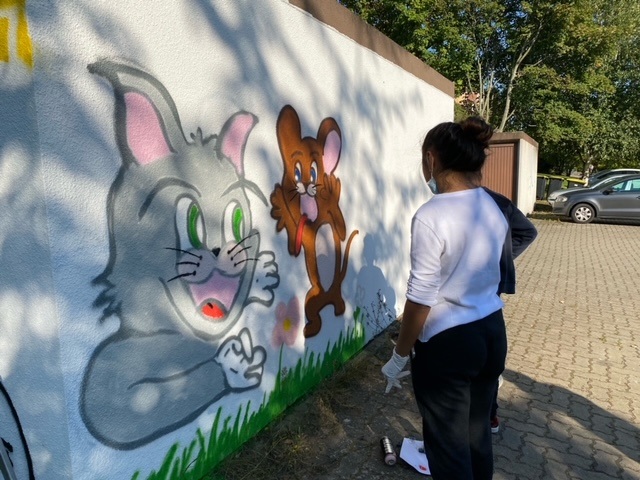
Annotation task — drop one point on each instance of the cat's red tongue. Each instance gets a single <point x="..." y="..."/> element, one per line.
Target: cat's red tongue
<point x="213" y="311"/>
<point x="301" y="224"/>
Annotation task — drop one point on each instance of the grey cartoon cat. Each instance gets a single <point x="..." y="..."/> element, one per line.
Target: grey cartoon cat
<point x="184" y="263"/>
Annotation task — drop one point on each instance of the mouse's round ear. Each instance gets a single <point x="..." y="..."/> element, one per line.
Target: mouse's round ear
<point x="330" y="137"/>
<point x="288" y="129"/>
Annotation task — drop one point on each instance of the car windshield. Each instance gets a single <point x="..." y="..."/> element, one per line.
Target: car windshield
<point x="600" y="183"/>
<point x="606" y="174"/>
<point x="595" y="185"/>
<point x="597" y="176"/>
<point x="606" y="181"/>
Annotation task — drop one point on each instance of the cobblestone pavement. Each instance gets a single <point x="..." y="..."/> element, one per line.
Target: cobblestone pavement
<point x="570" y="402"/>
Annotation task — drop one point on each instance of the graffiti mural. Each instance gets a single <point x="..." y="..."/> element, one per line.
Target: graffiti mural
<point x="14" y="452"/>
<point x="305" y="205"/>
<point x="184" y="262"/>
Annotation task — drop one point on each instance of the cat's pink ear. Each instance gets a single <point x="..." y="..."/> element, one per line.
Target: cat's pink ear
<point x="233" y="138"/>
<point x="145" y="134"/>
<point x="332" y="147"/>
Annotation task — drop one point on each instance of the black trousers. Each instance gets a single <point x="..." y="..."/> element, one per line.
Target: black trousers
<point x="454" y="377"/>
<point x="494" y="404"/>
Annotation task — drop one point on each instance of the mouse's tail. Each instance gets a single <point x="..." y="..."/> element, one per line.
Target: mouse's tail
<point x="345" y="259"/>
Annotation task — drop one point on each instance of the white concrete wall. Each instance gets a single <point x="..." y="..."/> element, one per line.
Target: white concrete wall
<point x="527" y="171"/>
<point x="60" y="157"/>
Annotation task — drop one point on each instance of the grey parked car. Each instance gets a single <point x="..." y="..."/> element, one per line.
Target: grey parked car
<point x="616" y="199"/>
<point x="604" y="174"/>
<point x="553" y="195"/>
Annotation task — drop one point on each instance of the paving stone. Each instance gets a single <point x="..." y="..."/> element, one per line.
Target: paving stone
<point x="556" y="470"/>
<point x="570" y="403"/>
<point x="630" y="468"/>
<point x="579" y="473"/>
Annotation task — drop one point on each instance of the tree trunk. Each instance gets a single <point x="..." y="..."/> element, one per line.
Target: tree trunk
<point x="526" y="49"/>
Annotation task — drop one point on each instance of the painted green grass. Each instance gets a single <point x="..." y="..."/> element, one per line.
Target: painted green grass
<point x="290" y="386"/>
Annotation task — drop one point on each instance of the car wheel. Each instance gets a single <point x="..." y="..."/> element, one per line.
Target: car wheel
<point x="583" y="213"/>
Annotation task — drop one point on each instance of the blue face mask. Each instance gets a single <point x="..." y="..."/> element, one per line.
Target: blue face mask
<point x="432" y="185"/>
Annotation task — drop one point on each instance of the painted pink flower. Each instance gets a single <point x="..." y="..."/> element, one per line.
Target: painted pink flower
<point x="287" y="323"/>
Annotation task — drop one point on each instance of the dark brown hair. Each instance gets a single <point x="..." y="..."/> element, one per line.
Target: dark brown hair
<point x="461" y="146"/>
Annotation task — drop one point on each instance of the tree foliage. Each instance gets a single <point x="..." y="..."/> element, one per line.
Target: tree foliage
<point x="567" y="72"/>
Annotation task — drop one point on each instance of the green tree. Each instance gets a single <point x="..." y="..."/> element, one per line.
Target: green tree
<point x="564" y="71"/>
<point x="567" y="97"/>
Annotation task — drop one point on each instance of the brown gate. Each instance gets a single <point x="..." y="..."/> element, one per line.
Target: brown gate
<point x="500" y="171"/>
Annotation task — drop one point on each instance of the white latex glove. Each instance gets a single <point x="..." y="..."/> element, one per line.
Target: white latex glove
<point x="392" y="371"/>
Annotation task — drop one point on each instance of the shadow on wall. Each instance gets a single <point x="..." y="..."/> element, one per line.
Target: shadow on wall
<point x="548" y="422"/>
<point x="371" y="290"/>
<point x="27" y="334"/>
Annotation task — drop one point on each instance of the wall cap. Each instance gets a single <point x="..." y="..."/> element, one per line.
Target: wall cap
<point x="348" y="23"/>
<point x="511" y="137"/>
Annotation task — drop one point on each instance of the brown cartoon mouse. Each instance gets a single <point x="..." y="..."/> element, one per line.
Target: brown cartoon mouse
<point x="306" y="205"/>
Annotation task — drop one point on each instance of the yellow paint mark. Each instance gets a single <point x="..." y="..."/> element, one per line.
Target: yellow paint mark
<point x="4" y="39"/>
<point x="23" y="39"/>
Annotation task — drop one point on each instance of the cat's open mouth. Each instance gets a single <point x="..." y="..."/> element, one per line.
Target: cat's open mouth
<point x="215" y="298"/>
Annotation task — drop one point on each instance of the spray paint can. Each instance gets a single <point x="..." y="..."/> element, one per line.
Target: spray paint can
<point x="388" y="451"/>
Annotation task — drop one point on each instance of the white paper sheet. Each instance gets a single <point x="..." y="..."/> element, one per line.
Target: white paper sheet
<point x="412" y="452"/>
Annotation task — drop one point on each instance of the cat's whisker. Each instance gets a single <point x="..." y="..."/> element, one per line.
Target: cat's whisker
<point x="199" y="257"/>
<point x="197" y="264"/>
<point x="242" y="261"/>
<point x="191" y="274"/>
<point x="294" y="189"/>
<point x="240" y="251"/>
<point x="238" y="244"/>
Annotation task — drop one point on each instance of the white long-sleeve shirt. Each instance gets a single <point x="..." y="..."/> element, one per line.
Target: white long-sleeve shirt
<point x="456" y="243"/>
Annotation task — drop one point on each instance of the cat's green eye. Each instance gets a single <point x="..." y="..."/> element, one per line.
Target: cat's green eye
<point x="233" y="225"/>
<point x="237" y="223"/>
<point x="195" y="226"/>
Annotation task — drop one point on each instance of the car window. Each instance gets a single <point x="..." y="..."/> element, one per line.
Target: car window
<point x="627" y="186"/>
<point x="618" y="187"/>
<point x="634" y="185"/>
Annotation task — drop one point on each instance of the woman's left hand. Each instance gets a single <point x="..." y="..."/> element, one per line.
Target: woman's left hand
<point x="392" y="371"/>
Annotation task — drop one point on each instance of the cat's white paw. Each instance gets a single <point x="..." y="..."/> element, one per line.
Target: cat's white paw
<point x="266" y="278"/>
<point x="241" y="362"/>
